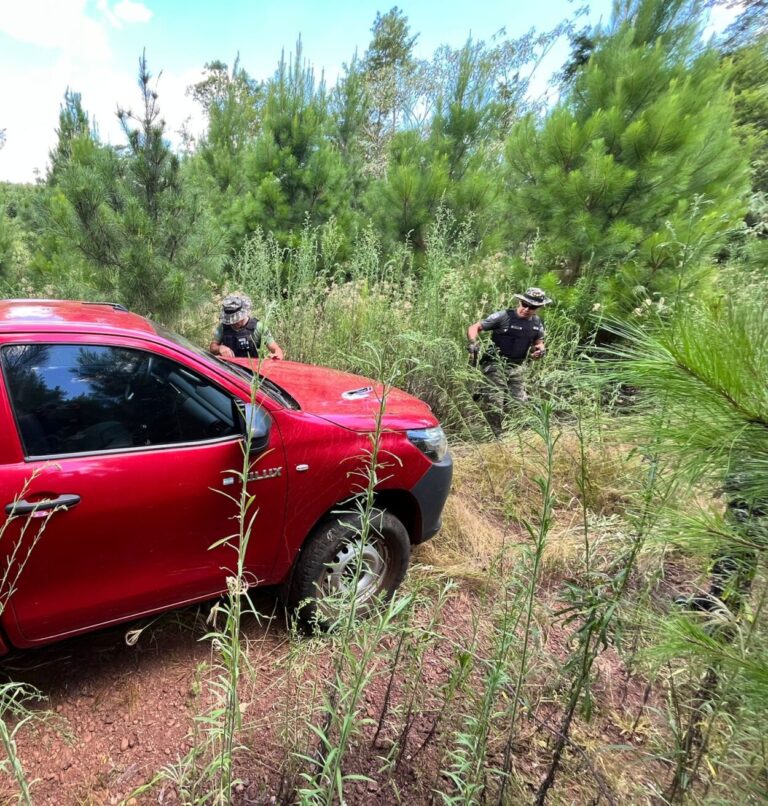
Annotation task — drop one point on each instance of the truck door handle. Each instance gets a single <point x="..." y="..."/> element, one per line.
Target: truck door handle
<point x="27" y="507"/>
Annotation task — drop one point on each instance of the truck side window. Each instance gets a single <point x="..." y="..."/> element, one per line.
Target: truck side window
<point x="71" y="398"/>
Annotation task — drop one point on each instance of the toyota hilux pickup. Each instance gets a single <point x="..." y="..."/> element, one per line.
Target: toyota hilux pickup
<point x="118" y="438"/>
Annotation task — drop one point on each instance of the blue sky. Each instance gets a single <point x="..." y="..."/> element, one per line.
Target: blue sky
<point x="93" y="46"/>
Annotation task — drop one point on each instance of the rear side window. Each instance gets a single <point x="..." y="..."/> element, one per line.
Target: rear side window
<point x="82" y="399"/>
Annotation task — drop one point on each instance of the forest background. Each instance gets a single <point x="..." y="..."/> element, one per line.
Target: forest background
<point x="398" y="206"/>
<point x="629" y="190"/>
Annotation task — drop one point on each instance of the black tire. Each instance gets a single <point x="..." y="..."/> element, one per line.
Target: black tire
<point x="330" y="558"/>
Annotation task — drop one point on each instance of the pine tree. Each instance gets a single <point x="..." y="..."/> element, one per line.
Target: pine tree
<point x="702" y="409"/>
<point x="232" y="102"/>
<point x="751" y="23"/>
<point x="18" y="234"/>
<point x="139" y="234"/>
<point x="9" y="240"/>
<point x="404" y="203"/>
<point x="73" y="123"/>
<point x="635" y="177"/>
<point x="749" y="82"/>
<point x="470" y="118"/>
<point x="391" y="74"/>
<point x="350" y="110"/>
<point x="454" y="163"/>
<point x="293" y="171"/>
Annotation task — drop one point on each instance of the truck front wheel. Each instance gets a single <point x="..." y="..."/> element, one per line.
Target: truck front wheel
<point x="343" y="564"/>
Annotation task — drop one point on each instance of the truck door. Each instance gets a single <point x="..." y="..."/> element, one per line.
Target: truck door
<point x="138" y="449"/>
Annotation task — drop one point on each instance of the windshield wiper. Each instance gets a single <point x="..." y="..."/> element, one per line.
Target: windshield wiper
<point x="278" y="392"/>
<point x="269" y="386"/>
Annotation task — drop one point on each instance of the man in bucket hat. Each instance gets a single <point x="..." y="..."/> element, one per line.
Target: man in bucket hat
<point x="517" y="335"/>
<point x="240" y="335"/>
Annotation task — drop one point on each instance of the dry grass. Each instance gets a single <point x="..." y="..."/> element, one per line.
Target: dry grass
<point x="495" y="492"/>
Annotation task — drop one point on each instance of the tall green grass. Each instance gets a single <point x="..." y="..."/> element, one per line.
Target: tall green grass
<point x="321" y="311"/>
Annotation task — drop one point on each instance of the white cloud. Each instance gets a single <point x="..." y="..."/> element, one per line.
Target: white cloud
<point x="79" y="57"/>
<point x="29" y="110"/>
<point x="128" y="11"/>
<point x="124" y="11"/>
<point x="63" y="25"/>
<point x="720" y="17"/>
<point x="39" y="22"/>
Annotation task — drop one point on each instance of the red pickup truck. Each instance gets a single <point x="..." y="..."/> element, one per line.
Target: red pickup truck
<point x="123" y="436"/>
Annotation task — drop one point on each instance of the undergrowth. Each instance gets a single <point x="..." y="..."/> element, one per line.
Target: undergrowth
<point x="533" y="653"/>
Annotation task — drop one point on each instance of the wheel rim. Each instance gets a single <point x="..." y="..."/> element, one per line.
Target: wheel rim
<point x="356" y="561"/>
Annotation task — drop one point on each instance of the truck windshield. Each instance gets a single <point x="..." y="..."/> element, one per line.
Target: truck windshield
<point x="270" y="388"/>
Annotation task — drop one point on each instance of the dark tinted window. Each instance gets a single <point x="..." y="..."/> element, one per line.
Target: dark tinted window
<point x="80" y="399"/>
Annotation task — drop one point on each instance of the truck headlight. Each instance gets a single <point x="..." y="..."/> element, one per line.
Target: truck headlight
<point x="430" y="441"/>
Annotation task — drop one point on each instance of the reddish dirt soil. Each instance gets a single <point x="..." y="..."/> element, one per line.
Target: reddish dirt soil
<point x="119" y="713"/>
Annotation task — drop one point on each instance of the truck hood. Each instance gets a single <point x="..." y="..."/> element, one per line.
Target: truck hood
<point x="350" y="401"/>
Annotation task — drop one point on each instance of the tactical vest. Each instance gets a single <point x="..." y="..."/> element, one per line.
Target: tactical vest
<point x="514" y="341"/>
<point x="244" y="342"/>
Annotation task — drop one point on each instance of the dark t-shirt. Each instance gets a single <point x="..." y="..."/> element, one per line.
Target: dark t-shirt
<point x="512" y="334"/>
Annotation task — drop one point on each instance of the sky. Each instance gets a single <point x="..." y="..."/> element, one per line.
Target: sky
<point x="93" y="47"/>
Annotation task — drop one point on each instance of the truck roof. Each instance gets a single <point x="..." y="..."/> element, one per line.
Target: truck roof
<point x="61" y="316"/>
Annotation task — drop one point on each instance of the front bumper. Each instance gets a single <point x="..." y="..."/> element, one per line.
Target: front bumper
<point x="431" y="492"/>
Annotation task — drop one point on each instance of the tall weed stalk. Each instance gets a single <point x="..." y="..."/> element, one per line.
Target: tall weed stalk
<point x="15" y="697"/>
<point x="416" y="641"/>
<point x="543" y="426"/>
<point x="14" y="707"/>
<point x="355" y="644"/>
<point x="593" y="605"/>
<point x="206" y="773"/>
<point x="507" y="666"/>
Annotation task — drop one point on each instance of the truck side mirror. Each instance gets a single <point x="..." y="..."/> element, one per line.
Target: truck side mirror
<point x="256" y="426"/>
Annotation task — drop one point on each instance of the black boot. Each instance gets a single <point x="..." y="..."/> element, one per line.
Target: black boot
<point x="700" y="603"/>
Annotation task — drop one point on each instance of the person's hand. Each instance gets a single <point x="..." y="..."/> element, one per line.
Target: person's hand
<point x="538" y="353"/>
<point x="226" y="352"/>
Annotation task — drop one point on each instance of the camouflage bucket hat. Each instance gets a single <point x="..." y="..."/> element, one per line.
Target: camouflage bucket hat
<point x="234" y="307"/>
<point x="534" y="297"/>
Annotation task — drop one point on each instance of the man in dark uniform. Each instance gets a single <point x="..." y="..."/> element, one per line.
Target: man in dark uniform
<point x="239" y="335"/>
<point x="517" y="334"/>
<point x="735" y="564"/>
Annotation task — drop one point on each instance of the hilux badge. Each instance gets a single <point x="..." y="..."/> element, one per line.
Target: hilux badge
<point x="269" y="473"/>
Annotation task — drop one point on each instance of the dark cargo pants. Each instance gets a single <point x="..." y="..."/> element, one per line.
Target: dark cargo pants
<point x="734" y="568"/>
<point x="503" y="383"/>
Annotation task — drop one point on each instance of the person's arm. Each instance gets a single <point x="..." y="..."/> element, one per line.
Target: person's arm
<point x="221" y="349"/>
<point x="537" y="350"/>
<point x="217" y="348"/>
<point x="474" y="345"/>
<point x="266" y="338"/>
<point x="490" y="323"/>
<point x="275" y="351"/>
<point x="473" y="330"/>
